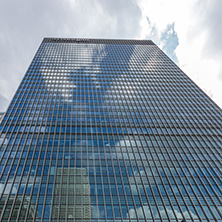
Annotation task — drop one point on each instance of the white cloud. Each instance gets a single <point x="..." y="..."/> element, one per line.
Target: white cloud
<point x="8" y="189"/>
<point x="139" y="212"/>
<point x="164" y="213"/>
<point x="199" y="32"/>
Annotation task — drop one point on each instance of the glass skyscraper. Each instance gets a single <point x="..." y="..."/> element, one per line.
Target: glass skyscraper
<point x="109" y="130"/>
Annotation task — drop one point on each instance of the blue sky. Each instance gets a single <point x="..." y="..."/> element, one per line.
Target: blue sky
<point x="189" y="32"/>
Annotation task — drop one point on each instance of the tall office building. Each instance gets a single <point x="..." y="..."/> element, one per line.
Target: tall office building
<point x="109" y="130"/>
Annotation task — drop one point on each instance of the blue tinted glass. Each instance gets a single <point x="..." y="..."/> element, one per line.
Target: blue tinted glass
<point x="109" y="130"/>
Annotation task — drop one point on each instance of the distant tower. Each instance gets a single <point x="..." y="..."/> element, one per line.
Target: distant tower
<point x="71" y="194"/>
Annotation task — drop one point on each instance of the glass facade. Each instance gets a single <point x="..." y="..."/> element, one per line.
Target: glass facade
<point x="109" y="130"/>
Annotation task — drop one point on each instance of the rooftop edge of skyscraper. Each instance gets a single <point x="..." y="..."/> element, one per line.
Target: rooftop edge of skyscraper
<point x="98" y="41"/>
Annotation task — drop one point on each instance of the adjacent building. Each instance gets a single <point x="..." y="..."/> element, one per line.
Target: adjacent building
<point x="71" y="197"/>
<point x="109" y="130"/>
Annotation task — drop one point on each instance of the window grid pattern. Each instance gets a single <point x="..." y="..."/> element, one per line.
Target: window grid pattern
<point x="109" y="130"/>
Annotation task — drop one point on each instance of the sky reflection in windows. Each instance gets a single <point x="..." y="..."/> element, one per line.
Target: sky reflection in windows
<point x="109" y="132"/>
